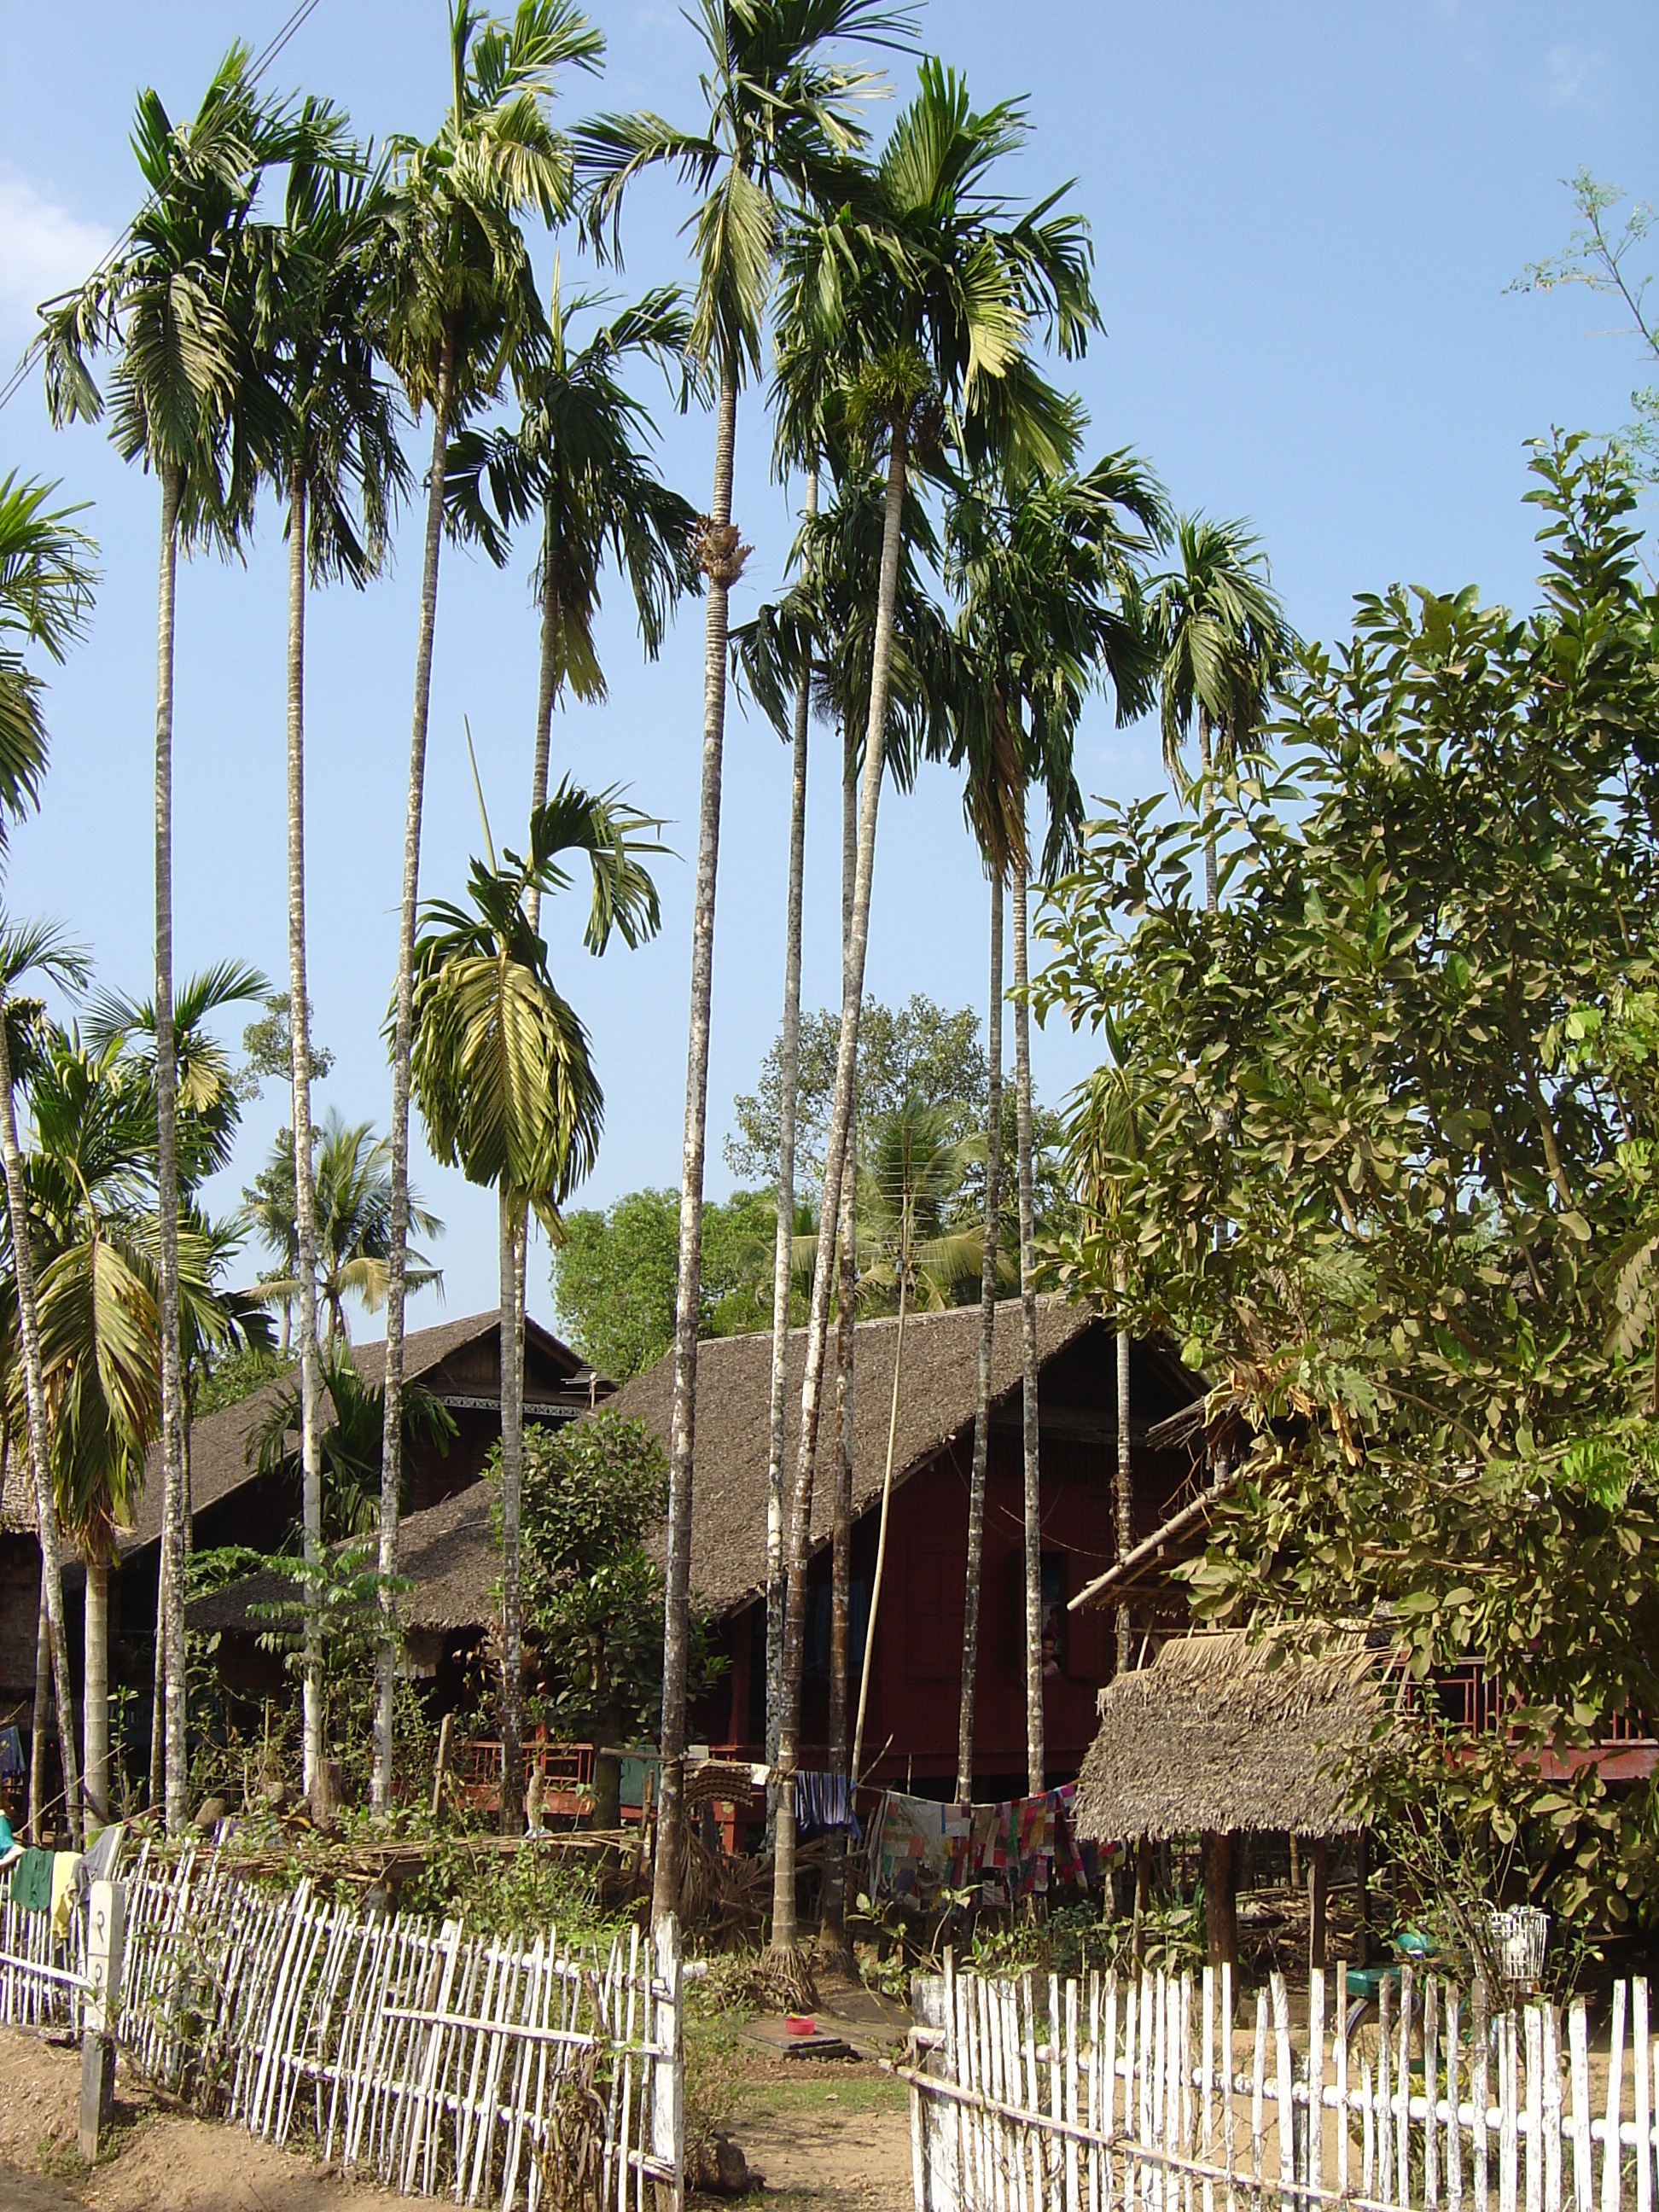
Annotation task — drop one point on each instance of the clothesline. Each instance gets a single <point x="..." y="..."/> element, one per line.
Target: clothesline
<point x="1019" y="1848"/>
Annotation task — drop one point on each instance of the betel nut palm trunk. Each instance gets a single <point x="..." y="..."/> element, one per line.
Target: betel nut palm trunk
<point x="987" y="1323"/>
<point x="789" y="1073"/>
<point x="95" y="1681"/>
<point x="304" y="1206"/>
<point x="1123" y="1491"/>
<point x="514" y="1245"/>
<point x="397" y="1258"/>
<point x="833" y="1918"/>
<point x="1036" y="1762"/>
<point x="784" y="1927"/>
<point x="166" y="1165"/>
<point x="722" y="557"/>
<point x="45" y="1508"/>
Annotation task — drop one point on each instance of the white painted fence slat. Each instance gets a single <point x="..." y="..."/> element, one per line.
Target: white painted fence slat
<point x="1016" y="2142"/>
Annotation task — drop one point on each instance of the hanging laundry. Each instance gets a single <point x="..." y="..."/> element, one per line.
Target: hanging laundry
<point x="823" y="1802"/>
<point x="66" y="1865"/>
<point x="31" y="1882"/>
<point x="12" y="1764"/>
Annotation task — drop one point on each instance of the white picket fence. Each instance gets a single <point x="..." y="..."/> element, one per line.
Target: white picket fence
<point x="1143" y="2096"/>
<point x="486" y="2070"/>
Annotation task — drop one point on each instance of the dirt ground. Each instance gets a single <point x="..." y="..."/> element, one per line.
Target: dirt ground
<point x="158" y="2160"/>
<point x="827" y="2136"/>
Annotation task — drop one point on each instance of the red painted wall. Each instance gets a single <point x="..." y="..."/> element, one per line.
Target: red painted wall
<point x="915" y="1685"/>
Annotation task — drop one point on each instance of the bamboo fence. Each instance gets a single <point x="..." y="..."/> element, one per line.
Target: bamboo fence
<point x="1126" y="2096"/>
<point x="484" y="2070"/>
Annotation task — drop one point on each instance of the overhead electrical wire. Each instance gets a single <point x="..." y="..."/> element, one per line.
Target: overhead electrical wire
<point x="262" y="62"/>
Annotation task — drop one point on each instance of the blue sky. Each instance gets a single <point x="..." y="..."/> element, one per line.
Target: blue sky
<point x="1304" y="217"/>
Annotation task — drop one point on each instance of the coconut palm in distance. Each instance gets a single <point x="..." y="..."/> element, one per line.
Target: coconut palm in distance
<point x="1222" y="641"/>
<point x="579" y="461"/>
<point x="25" y="950"/>
<point x="341" y="469"/>
<point x="46" y="582"/>
<point x="782" y="117"/>
<point x="1049" y="568"/>
<point x="351" y="1178"/>
<point x="174" y="304"/>
<point x="92" y="1179"/>
<point x="927" y="287"/>
<point x="459" y="301"/>
<point x="208" y="1110"/>
<point x="503" y="1074"/>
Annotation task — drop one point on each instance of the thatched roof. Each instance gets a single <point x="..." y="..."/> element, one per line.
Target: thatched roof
<point x="222" y="1457"/>
<point x="447" y="1552"/>
<point x="1221" y="1733"/>
<point x="937" y="1391"/>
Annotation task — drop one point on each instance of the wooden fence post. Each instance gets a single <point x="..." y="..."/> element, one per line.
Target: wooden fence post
<point x="105" y="1945"/>
<point x="668" y="2069"/>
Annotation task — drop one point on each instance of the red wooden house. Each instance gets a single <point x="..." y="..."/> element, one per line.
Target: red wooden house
<point x="910" y="1735"/>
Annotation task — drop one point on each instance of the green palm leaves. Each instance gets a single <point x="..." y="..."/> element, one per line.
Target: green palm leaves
<point x="782" y="119"/>
<point x="45" y="596"/>
<point x="1221" y="638"/>
<point x="499" y="1063"/>
<point x="459" y="292"/>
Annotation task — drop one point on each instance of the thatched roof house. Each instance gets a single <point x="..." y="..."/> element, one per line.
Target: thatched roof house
<point x="937" y="1395"/>
<point x="457" y="1361"/>
<point x="449" y="1553"/>
<point x="1222" y="1735"/>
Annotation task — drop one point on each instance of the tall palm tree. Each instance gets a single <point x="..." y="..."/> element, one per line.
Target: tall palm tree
<point x="813" y="649"/>
<point x="46" y="583"/>
<point x="175" y="303"/>
<point x="505" y="1085"/>
<point x="351" y="1180"/>
<point x="91" y="1191"/>
<point x="341" y="469"/>
<point x="36" y="948"/>
<point x="459" y="302"/>
<point x="926" y="289"/>
<point x="207" y="1112"/>
<point x="1049" y="567"/>
<point x="780" y="117"/>
<point x="1222" y="641"/>
<point x="578" y="459"/>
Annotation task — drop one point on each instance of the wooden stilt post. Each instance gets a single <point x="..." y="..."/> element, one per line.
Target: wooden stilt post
<point x="1318" y="1876"/>
<point x="1143" y="1884"/>
<point x="1220" y="1904"/>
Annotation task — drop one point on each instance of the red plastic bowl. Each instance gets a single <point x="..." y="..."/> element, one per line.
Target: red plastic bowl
<point x="795" y="2023"/>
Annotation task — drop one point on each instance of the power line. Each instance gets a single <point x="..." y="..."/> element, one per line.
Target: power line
<point x="14" y="383"/>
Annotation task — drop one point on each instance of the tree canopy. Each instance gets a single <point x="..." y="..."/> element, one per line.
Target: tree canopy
<point x="1390" y="1185"/>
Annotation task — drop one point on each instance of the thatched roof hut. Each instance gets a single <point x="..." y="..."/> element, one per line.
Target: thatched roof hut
<point x="1221" y="1734"/>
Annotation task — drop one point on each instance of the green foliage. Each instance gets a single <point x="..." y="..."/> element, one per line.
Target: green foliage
<point x="592" y="1598"/>
<point x="1408" y="1064"/>
<point x="237" y="1375"/>
<point x="1595" y="256"/>
<point x="918" y="1050"/>
<point x="269" y="1045"/>
<point x="614" y="1274"/>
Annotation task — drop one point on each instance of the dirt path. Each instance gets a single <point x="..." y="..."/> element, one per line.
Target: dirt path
<point x="158" y="2162"/>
